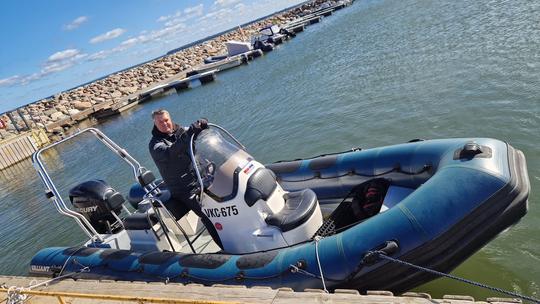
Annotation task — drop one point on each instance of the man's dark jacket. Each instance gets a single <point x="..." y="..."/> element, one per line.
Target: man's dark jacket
<point x="171" y="155"/>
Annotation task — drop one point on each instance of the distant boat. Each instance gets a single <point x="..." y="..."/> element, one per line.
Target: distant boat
<point x="234" y="48"/>
<point x="273" y="34"/>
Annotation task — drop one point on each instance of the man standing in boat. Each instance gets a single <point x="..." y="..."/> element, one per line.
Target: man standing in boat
<point x="169" y="147"/>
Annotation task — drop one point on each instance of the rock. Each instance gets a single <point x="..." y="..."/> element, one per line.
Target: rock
<point x="128" y="90"/>
<point x="62" y="109"/>
<point x="82" y="105"/>
<point x="56" y="116"/>
<point x="73" y="111"/>
<point x="49" y="112"/>
<point x="116" y="94"/>
<point x="44" y="118"/>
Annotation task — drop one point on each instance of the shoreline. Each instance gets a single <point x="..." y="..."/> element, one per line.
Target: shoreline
<point x="124" y="89"/>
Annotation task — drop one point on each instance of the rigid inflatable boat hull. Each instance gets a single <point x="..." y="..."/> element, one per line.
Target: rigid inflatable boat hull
<point x="460" y="203"/>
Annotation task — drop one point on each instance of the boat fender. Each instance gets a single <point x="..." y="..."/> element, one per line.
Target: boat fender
<point x="388" y="248"/>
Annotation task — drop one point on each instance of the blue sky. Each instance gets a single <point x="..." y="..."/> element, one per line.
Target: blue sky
<point x="51" y="46"/>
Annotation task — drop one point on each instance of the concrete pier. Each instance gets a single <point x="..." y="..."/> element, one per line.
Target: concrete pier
<point x="92" y="292"/>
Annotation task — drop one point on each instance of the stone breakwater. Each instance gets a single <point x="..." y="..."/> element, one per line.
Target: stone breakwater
<point x="75" y="105"/>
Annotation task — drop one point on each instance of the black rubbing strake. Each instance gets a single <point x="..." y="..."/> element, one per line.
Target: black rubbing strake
<point x="114" y="254"/>
<point x="156" y="258"/>
<point x="285" y="167"/>
<point x="207" y="261"/>
<point x="323" y="162"/>
<point x="80" y="251"/>
<point x="256" y="260"/>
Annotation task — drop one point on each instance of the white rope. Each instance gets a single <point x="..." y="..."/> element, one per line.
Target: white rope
<point x="317" y="239"/>
<point x="14" y="295"/>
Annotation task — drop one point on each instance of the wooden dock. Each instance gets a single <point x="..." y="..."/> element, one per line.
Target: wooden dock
<point x="16" y="149"/>
<point x="92" y="292"/>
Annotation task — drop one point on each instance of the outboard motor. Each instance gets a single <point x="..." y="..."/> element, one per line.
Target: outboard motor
<point x="248" y="207"/>
<point x="99" y="203"/>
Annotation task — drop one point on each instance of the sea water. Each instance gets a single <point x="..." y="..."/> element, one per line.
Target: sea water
<point x="377" y="73"/>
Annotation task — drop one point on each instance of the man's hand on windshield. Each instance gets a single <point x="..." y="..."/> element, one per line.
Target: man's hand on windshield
<point x="199" y="125"/>
<point x="203" y="122"/>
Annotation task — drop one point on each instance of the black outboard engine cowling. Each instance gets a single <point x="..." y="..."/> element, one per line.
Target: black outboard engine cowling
<point x="97" y="201"/>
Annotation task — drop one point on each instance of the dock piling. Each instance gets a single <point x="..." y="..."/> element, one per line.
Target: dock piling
<point x="13" y="122"/>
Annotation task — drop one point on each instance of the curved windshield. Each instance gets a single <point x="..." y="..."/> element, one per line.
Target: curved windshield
<point x="219" y="161"/>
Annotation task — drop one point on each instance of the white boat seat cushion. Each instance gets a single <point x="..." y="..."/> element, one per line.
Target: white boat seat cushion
<point x="299" y="206"/>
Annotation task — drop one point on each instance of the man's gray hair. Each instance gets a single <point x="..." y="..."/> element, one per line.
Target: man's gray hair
<point x="159" y="112"/>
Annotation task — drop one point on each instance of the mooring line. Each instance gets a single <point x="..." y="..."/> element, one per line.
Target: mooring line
<point x="382" y="255"/>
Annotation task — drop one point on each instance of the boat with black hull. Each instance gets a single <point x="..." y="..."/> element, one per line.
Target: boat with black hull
<point x="306" y="223"/>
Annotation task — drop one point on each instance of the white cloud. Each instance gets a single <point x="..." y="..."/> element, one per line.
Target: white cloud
<point x="103" y="54"/>
<point x="194" y="11"/>
<point x="108" y="35"/>
<point x="98" y="56"/>
<point x="181" y="16"/>
<point x="218" y="16"/>
<point x="176" y="21"/>
<point x="76" y="23"/>
<point x="63" y="55"/>
<point x="225" y="2"/>
<point x="129" y="42"/>
<point x="239" y="6"/>
<point x="165" y="18"/>
<point x="57" y="62"/>
<point x="6" y="82"/>
<point x="55" y="67"/>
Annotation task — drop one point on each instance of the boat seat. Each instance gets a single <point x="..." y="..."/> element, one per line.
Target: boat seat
<point x="260" y="185"/>
<point x="299" y="206"/>
<point x="140" y="221"/>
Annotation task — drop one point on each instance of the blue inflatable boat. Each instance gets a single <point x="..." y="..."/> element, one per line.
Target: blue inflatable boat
<point x="311" y="223"/>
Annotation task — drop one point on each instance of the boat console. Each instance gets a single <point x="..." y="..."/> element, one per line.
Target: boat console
<point x="249" y="209"/>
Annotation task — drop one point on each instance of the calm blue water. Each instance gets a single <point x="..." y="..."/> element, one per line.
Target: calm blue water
<point x="377" y="73"/>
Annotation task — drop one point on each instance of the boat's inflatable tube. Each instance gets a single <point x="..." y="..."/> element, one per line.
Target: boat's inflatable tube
<point x="465" y="194"/>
